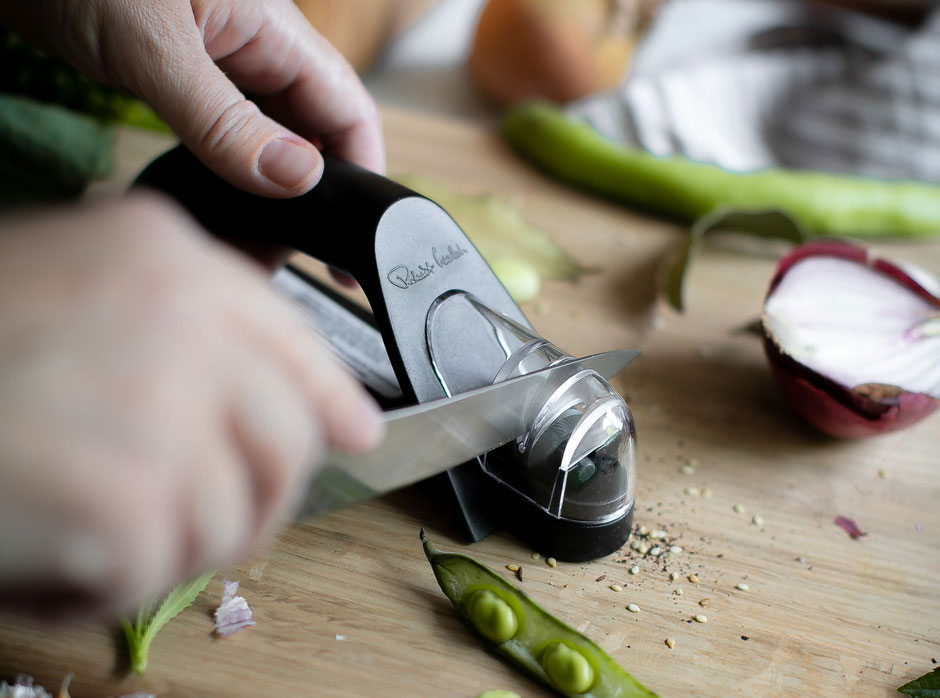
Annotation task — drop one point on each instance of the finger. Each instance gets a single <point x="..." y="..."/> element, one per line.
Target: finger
<point x="297" y="77"/>
<point x="275" y="434"/>
<point x="215" y="120"/>
<point x="263" y="320"/>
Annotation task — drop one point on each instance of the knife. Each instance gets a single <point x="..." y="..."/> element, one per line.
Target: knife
<point x="428" y="438"/>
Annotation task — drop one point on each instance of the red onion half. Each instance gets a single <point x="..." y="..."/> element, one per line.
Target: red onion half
<point x="853" y="341"/>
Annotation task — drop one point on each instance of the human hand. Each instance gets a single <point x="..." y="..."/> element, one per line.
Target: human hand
<point x="160" y="406"/>
<point x="191" y="60"/>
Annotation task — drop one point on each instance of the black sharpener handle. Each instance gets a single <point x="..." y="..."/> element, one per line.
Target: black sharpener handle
<point x="334" y="222"/>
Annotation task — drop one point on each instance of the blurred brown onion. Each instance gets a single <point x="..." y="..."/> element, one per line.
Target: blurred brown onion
<point x="555" y="49"/>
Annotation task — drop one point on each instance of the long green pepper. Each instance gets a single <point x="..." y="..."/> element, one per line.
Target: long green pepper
<point x="821" y="204"/>
<point x="525" y="633"/>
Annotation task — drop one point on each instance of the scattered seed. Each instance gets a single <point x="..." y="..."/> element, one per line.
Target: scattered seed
<point x="673" y="576"/>
<point x="692" y="462"/>
<point x="706" y="492"/>
<point x="692" y="491"/>
<point x="656" y="551"/>
<point x="633" y="608"/>
<point x="616" y="587"/>
<point x="675" y="549"/>
<point x="739" y="508"/>
<point x="601" y="578"/>
<point x="801" y="560"/>
<point x="693" y="578"/>
<point x="643" y="549"/>
<point x="340" y="637"/>
<point x="535" y="556"/>
<point x="658" y="534"/>
<point x="704" y="602"/>
<point x="566" y="586"/>
<point x="742" y="586"/>
<point x="701" y="619"/>
<point x="678" y="591"/>
<point x="670" y="642"/>
<point x="643" y="531"/>
<point x="686" y="469"/>
<point x="552" y="562"/>
<point x="757" y="520"/>
<point x="512" y="567"/>
<point x="635" y="544"/>
<point x="884" y="474"/>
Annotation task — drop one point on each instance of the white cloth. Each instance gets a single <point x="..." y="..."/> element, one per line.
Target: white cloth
<point x="775" y="83"/>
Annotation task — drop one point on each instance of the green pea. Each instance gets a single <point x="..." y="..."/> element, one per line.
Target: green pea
<point x="523" y="632"/>
<point x="822" y="204"/>
<point x="567" y="668"/>
<point x="491" y="616"/>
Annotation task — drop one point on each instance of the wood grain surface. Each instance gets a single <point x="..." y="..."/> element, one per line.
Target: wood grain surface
<point x="347" y="606"/>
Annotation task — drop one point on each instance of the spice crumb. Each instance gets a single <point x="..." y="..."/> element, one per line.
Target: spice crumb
<point x="884" y="474"/>
<point x="704" y="602"/>
<point x="616" y="587"/>
<point x="739" y="508"/>
<point x="742" y="586"/>
<point x="551" y="562"/>
<point x="601" y="578"/>
<point x="678" y="591"/>
<point x="706" y="492"/>
<point x="512" y="567"/>
<point x="643" y="531"/>
<point x="633" y="608"/>
<point x="340" y="638"/>
<point x="673" y="576"/>
<point x="692" y="491"/>
<point x="687" y="469"/>
<point x="745" y="638"/>
<point x="757" y="520"/>
<point x="635" y="569"/>
<point x="693" y="578"/>
<point x="700" y="618"/>
<point x="670" y="642"/>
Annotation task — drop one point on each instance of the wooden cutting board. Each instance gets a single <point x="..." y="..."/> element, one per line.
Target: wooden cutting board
<point x="347" y="606"/>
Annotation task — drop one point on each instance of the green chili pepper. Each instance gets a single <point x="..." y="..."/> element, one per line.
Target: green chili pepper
<point x="820" y="204"/>
<point x="529" y="636"/>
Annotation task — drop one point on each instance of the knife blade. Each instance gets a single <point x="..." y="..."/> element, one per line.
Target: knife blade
<point x="428" y="438"/>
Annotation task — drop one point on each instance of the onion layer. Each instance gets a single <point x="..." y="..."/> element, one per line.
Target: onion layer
<point x="853" y="340"/>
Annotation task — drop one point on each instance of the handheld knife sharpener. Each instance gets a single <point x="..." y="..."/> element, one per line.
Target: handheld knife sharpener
<point x="441" y="324"/>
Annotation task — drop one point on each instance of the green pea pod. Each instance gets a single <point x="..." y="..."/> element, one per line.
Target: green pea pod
<point x="516" y="627"/>
<point x="820" y="204"/>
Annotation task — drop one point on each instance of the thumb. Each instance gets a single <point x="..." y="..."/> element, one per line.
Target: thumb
<point x="231" y="135"/>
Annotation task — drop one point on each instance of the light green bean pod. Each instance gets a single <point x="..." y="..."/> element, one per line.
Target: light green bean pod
<point x="821" y="204"/>
<point x="516" y="627"/>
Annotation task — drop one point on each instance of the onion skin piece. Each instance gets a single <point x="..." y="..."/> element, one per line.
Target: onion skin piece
<point x="845" y="412"/>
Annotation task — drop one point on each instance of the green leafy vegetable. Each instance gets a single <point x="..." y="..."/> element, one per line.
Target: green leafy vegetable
<point x="31" y="73"/>
<point x="504" y="237"/>
<point x="927" y="686"/>
<point x="49" y="153"/>
<point x="151" y="621"/>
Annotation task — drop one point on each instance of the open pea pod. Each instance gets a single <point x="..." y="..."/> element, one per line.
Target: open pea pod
<point x="525" y="633"/>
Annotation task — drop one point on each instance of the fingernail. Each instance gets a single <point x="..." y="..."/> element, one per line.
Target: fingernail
<point x="287" y="163"/>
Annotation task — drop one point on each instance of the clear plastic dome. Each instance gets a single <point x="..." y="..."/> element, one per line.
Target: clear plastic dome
<point x="578" y="460"/>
